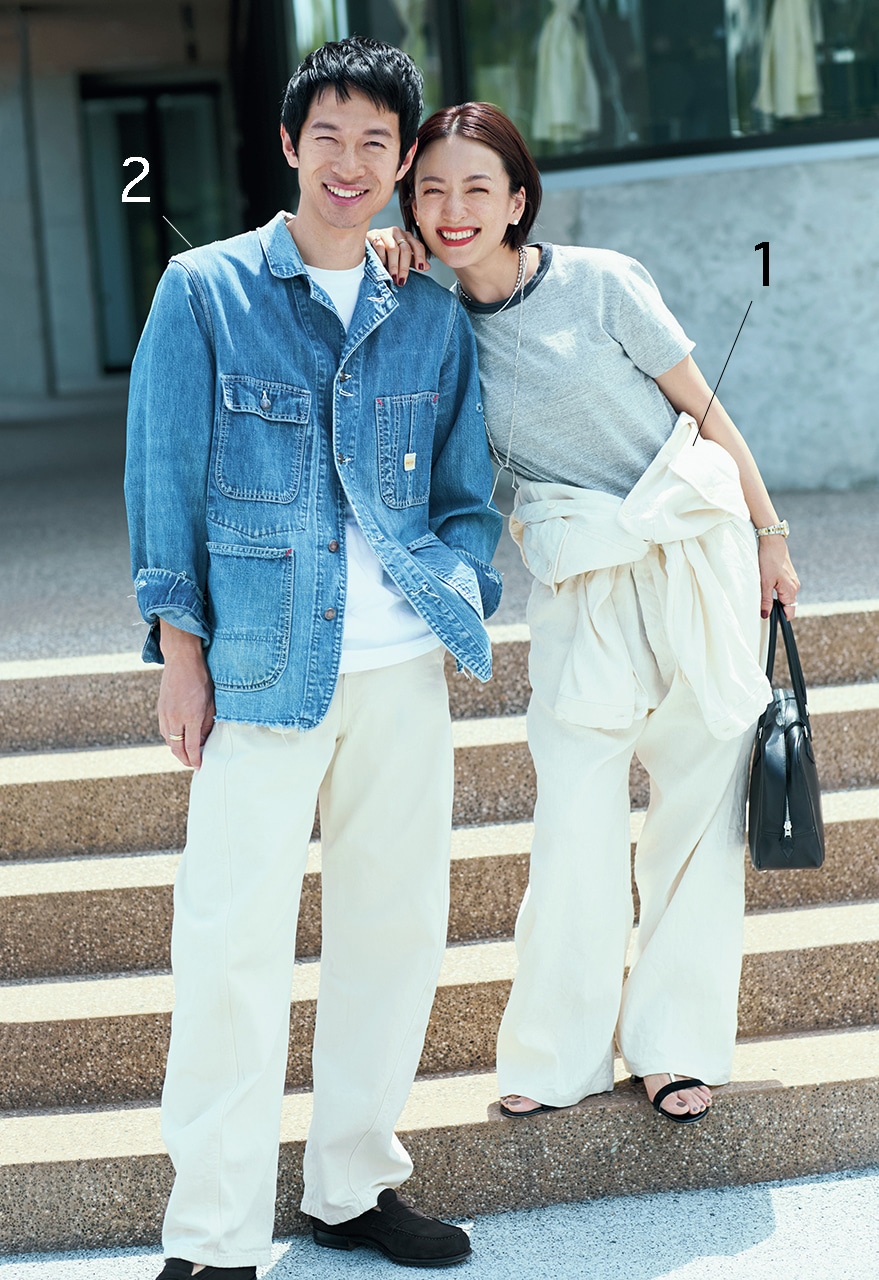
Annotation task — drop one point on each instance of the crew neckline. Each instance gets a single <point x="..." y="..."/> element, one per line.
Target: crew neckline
<point x="492" y="308"/>
<point x="338" y="271"/>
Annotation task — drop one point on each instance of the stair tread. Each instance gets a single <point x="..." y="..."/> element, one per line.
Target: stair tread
<point x="467" y="964"/>
<point x="78" y="766"/>
<point x="780" y="1062"/>
<point x="97" y="873"/>
<point x="127" y="761"/>
<point x="504" y="633"/>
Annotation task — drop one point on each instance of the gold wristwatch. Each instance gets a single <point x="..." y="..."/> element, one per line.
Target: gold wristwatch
<point x="782" y="527"/>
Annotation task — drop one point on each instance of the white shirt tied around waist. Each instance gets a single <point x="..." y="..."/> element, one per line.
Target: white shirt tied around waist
<point x="683" y="532"/>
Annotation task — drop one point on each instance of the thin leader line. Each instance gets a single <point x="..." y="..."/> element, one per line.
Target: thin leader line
<point x="723" y="370"/>
<point x="183" y="237"/>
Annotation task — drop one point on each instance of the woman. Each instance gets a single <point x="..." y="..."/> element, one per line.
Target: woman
<point x="636" y="505"/>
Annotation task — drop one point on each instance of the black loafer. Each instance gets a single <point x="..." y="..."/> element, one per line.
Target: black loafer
<point x="398" y="1231"/>
<point x="180" y="1269"/>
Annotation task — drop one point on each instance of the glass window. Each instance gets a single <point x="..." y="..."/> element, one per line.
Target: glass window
<point x="625" y="79"/>
<point x="178" y="133"/>
<point x="592" y="77"/>
<point x="413" y="25"/>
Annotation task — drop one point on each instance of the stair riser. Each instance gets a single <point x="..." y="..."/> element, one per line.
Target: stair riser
<point x="492" y="784"/>
<point x="90" y="1062"/>
<point x="606" y="1146"/>
<point x="125" y="930"/>
<point x="105" y="710"/>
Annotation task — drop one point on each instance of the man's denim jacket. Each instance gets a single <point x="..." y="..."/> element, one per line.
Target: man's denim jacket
<point x="252" y="417"/>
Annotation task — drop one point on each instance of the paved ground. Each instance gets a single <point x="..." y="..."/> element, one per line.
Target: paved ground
<point x="822" y="1229"/>
<point x="65" y="587"/>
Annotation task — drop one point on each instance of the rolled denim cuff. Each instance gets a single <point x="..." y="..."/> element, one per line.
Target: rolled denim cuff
<point x="490" y="582"/>
<point x="162" y="593"/>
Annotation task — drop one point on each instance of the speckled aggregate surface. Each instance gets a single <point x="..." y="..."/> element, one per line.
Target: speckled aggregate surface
<point x="823" y="1228"/>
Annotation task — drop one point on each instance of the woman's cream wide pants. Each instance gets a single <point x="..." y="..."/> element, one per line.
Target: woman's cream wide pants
<point x="382" y="764"/>
<point x="676" y="1011"/>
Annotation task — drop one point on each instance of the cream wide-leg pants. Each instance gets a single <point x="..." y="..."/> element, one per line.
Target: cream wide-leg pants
<point x="382" y="765"/>
<point x="677" y="1009"/>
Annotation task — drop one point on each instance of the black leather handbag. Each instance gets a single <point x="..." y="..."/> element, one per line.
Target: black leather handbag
<point x="785" y="827"/>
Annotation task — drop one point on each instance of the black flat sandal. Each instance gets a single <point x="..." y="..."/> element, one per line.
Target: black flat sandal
<point x="675" y="1086"/>
<point x="522" y="1115"/>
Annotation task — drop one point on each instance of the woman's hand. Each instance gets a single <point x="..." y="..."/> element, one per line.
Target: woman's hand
<point x="776" y="574"/>
<point x="399" y="251"/>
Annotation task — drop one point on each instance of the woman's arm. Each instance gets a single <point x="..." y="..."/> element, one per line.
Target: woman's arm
<point x="688" y="392"/>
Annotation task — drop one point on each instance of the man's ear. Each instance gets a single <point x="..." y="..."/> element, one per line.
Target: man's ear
<point x="406" y="163"/>
<point x="289" y="150"/>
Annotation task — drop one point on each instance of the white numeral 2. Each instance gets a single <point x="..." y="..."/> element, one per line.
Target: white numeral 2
<point x="126" y="198"/>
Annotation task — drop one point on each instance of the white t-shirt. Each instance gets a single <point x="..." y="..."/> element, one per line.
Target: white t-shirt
<point x="381" y="627"/>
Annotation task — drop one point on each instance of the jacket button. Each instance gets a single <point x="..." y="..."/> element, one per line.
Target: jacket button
<point x="329" y="614"/>
<point x="333" y="546"/>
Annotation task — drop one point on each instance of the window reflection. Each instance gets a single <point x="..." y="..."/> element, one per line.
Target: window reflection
<point x="412" y="25"/>
<point x="598" y="77"/>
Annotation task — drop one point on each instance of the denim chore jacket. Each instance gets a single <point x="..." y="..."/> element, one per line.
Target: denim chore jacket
<point x="252" y="417"/>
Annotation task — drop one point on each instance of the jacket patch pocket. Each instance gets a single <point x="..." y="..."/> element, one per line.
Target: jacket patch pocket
<point x="250" y="606"/>
<point x="405" y="426"/>
<point x="261" y="441"/>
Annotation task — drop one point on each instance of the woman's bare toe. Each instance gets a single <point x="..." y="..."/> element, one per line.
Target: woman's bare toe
<point x="516" y="1102"/>
<point x="693" y="1101"/>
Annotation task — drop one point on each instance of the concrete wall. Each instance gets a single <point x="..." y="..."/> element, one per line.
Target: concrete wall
<point x="803" y="383"/>
<point x="62" y="169"/>
<point x="22" y="363"/>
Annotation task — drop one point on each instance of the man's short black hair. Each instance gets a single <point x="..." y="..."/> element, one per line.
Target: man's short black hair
<point x="384" y="74"/>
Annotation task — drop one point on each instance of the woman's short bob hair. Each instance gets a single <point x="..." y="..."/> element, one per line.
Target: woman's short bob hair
<point x="480" y="122"/>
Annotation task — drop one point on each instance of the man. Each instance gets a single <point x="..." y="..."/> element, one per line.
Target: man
<point x="307" y="483"/>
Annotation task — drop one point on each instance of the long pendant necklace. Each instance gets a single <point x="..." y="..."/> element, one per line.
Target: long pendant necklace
<point x="504" y="463"/>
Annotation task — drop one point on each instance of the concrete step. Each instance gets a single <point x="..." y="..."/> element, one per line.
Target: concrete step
<point x="110" y="699"/>
<point x="113" y="914"/>
<point x="800" y="1105"/>
<point x="134" y="798"/>
<point x="104" y="1040"/>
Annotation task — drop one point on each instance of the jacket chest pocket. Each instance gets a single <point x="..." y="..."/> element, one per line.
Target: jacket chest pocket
<point x="261" y="442"/>
<point x="405" y="426"/>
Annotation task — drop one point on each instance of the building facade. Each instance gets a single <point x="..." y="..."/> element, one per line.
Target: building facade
<point x="687" y="133"/>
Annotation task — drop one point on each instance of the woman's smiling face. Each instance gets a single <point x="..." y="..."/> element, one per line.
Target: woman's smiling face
<point x="463" y="203"/>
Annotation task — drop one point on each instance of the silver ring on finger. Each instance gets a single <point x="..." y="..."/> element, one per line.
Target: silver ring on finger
<point x="176" y="737"/>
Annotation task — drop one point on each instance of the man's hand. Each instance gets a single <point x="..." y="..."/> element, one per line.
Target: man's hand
<point x="186" y="695"/>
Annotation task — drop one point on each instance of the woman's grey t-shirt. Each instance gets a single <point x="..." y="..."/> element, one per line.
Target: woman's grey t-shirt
<point x="595" y="333"/>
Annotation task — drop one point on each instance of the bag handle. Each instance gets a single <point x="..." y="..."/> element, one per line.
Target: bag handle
<point x="778" y="619"/>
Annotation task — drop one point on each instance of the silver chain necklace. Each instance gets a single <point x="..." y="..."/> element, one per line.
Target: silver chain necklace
<point x="504" y="463"/>
<point x="520" y="280"/>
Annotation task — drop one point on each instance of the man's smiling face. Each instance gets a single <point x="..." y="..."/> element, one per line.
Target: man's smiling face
<point x="348" y="159"/>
